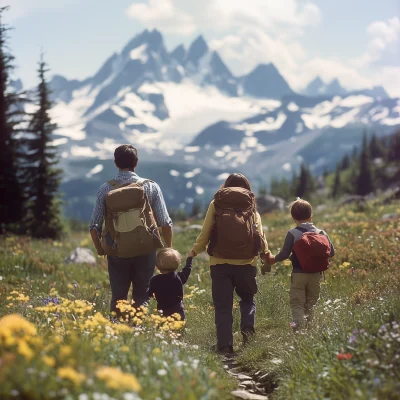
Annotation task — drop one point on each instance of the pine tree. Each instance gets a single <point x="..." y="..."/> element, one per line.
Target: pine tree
<point x="11" y="198"/>
<point x="336" y="184"/>
<point x="306" y="182"/>
<point x="294" y="183"/>
<point x="43" y="217"/>
<point x="394" y="147"/>
<point x="375" y="148"/>
<point x="365" y="181"/>
<point x="263" y="190"/>
<point x="196" y="209"/>
<point x="345" y="162"/>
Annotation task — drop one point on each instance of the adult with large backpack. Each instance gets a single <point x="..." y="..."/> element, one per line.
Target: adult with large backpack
<point x="232" y="233"/>
<point x="123" y="227"/>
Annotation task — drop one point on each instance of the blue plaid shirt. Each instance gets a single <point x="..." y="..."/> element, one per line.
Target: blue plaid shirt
<point x="152" y="191"/>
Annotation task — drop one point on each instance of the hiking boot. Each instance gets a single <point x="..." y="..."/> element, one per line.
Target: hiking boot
<point x="248" y="335"/>
<point x="226" y="350"/>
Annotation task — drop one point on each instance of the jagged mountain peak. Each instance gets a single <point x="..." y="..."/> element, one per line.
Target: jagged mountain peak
<point x="265" y="81"/>
<point x="218" y="66"/>
<point x="153" y="39"/>
<point x="197" y="50"/>
<point x="335" y="88"/>
<point x="179" y="53"/>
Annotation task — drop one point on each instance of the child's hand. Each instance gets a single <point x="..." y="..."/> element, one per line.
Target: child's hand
<point x="191" y="254"/>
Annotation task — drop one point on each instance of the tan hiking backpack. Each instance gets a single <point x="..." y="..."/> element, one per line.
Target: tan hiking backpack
<point x="235" y="234"/>
<point x="130" y="229"/>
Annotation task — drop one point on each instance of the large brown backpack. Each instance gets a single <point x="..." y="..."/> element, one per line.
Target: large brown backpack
<point x="130" y="229"/>
<point x="235" y="233"/>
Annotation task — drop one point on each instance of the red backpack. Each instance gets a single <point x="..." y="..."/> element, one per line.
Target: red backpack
<point x="312" y="251"/>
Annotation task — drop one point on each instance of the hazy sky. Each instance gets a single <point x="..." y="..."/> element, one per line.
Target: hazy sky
<point x="357" y="41"/>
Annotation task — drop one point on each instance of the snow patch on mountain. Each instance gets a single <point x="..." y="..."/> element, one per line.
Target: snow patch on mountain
<point x="192" y="108"/>
<point x="293" y="107"/>
<point x="391" y="121"/>
<point x="356" y="101"/>
<point x="95" y="170"/>
<point x="139" y="53"/>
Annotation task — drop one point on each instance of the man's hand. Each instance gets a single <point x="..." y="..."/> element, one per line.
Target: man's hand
<point x="100" y="252"/>
<point x="96" y="241"/>
<point x="191" y="254"/>
<point x="167" y="235"/>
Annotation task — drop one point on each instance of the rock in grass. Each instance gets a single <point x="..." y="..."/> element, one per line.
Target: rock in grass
<point x="247" y="383"/>
<point x="389" y="216"/>
<point x="243" y="377"/>
<point x="243" y="394"/>
<point x="81" y="255"/>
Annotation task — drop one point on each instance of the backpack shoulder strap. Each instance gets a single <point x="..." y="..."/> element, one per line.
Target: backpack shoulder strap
<point x="114" y="184"/>
<point x="142" y="181"/>
<point x="299" y="228"/>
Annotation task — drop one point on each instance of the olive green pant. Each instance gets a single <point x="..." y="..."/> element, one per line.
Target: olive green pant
<point x="304" y="294"/>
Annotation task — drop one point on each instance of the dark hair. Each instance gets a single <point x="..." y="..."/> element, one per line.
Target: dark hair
<point x="237" y="180"/>
<point x="125" y="156"/>
<point x="301" y="210"/>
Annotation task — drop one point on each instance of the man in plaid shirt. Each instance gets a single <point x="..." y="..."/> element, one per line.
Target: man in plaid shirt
<point x="135" y="271"/>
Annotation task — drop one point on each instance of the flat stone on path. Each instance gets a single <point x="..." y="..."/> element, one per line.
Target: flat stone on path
<point x="243" y="394"/>
<point x="81" y="255"/>
<point x="243" y="377"/>
<point x="247" y="383"/>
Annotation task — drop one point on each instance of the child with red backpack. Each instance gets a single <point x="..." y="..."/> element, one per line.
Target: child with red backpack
<point x="309" y="250"/>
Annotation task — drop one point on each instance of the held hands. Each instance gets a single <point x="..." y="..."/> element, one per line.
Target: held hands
<point x="267" y="259"/>
<point x="191" y="254"/>
<point x="270" y="259"/>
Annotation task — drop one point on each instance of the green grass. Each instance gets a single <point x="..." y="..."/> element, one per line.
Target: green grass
<point x="358" y="315"/>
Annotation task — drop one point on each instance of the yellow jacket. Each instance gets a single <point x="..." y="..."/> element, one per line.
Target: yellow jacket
<point x="203" y="239"/>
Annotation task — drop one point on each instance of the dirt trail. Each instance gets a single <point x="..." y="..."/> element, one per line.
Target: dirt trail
<point x="250" y="387"/>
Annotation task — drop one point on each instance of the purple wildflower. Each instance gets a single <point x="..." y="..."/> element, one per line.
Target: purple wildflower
<point x="353" y="339"/>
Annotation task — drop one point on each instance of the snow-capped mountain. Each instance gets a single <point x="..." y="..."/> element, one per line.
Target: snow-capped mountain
<point x="317" y="88"/>
<point x="193" y="120"/>
<point x="296" y="129"/>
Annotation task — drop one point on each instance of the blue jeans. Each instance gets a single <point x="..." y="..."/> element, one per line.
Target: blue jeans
<point x="135" y="271"/>
<point x="226" y="279"/>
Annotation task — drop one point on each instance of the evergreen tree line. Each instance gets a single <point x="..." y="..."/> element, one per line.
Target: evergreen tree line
<point x="301" y="185"/>
<point x="29" y="179"/>
<point x="375" y="166"/>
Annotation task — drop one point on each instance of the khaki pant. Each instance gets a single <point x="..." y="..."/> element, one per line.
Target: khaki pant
<point x="304" y="294"/>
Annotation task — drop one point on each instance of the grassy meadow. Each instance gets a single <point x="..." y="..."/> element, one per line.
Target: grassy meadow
<point x="57" y="343"/>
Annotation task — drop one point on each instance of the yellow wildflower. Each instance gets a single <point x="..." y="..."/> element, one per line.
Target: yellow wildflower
<point x="65" y="351"/>
<point x="125" y="349"/>
<point x="49" y="361"/>
<point x="25" y="350"/>
<point x="15" y="324"/>
<point x="156" y="350"/>
<point x="116" y="379"/>
<point x="72" y="375"/>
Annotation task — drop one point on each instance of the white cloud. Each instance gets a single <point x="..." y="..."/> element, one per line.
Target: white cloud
<point x="252" y="46"/>
<point x="184" y="17"/>
<point x="21" y="8"/>
<point x="384" y="36"/>
<point x="163" y="15"/>
<point x="329" y="69"/>
<point x="247" y="33"/>
<point x="389" y="77"/>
